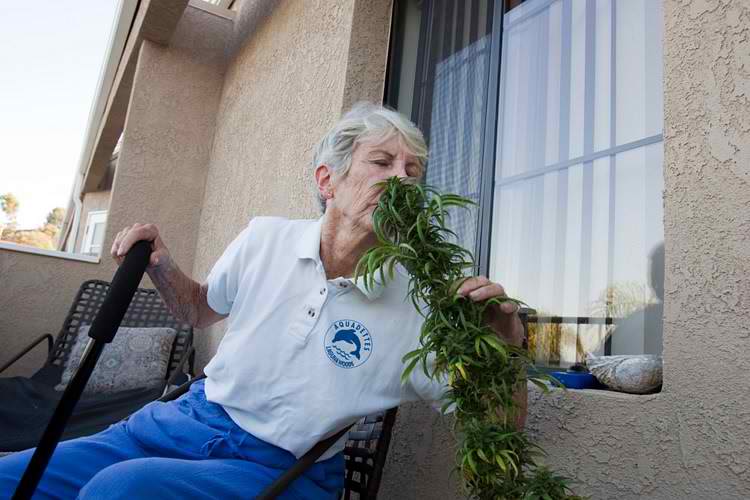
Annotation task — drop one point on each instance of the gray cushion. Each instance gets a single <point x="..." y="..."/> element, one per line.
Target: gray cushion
<point x="137" y="358"/>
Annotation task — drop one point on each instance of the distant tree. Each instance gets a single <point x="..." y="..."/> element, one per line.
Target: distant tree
<point x="43" y="237"/>
<point x="9" y="205"/>
<point x="621" y="299"/>
<point x="54" y="222"/>
<point x="56" y="217"/>
<point x="30" y="237"/>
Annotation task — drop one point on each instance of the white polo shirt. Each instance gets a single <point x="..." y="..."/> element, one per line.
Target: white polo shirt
<point x="304" y="356"/>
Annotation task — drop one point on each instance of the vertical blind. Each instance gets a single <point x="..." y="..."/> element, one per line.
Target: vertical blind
<point x="451" y="99"/>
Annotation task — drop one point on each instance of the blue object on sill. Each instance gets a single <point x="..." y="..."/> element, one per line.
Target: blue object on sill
<point x="577" y="380"/>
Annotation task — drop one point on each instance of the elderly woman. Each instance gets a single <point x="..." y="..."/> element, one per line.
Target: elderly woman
<point x="307" y="350"/>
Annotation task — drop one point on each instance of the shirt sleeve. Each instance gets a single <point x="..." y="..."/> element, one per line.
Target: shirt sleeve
<point x="224" y="278"/>
<point x="429" y="389"/>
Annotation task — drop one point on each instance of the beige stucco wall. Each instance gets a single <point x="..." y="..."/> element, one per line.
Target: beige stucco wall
<point x="35" y="295"/>
<point x="692" y="440"/>
<point x="286" y="84"/>
<point x="160" y="178"/>
<point x="367" y="52"/>
<point x="169" y="131"/>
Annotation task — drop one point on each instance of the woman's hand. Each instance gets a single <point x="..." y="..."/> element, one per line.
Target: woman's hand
<point x="126" y="238"/>
<point x="503" y="318"/>
<point x="185" y="298"/>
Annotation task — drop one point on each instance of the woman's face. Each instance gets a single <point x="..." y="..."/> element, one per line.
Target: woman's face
<point x="355" y="195"/>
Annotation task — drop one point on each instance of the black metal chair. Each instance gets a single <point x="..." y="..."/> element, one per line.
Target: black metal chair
<point x="26" y="404"/>
<point x="364" y="453"/>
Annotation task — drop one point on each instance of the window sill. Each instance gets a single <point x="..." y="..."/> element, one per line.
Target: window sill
<point x="49" y="253"/>
<point x="598" y="393"/>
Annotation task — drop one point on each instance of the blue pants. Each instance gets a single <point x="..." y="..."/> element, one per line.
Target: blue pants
<point x="188" y="448"/>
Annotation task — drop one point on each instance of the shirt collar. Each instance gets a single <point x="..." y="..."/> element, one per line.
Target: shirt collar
<point x="308" y="247"/>
<point x="371" y="293"/>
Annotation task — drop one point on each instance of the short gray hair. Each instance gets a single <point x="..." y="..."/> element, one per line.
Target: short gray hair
<point x="365" y="121"/>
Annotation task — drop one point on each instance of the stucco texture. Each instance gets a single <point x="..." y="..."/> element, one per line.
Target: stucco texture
<point x="285" y="86"/>
<point x="35" y="294"/>
<point x="168" y="133"/>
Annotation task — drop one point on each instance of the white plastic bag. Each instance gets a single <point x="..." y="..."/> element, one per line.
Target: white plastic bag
<point x="637" y="374"/>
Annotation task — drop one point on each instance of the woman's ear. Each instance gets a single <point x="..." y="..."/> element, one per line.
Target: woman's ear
<point x="324" y="179"/>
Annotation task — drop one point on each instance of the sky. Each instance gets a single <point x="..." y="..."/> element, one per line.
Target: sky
<point x="51" y="55"/>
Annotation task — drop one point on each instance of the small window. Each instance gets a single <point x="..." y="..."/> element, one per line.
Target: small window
<point x="94" y="237"/>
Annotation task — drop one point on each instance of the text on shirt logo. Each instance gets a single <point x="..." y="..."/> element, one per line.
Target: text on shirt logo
<point x="347" y="343"/>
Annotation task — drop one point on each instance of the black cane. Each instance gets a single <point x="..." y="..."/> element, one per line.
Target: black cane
<point x="102" y="331"/>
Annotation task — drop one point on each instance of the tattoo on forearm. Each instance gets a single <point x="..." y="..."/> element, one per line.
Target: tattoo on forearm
<point x="179" y="292"/>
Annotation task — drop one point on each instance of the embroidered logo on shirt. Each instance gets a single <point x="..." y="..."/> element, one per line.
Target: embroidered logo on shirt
<point x="347" y="343"/>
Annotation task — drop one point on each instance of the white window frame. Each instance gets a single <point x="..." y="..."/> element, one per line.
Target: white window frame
<point x="92" y="219"/>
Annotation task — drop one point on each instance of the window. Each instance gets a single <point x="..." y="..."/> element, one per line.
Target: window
<point x="577" y="225"/>
<point x="548" y="112"/>
<point x="94" y="236"/>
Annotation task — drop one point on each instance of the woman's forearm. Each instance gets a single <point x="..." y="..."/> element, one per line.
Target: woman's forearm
<point x="186" y="299"/>
<point x="513" y="333"/>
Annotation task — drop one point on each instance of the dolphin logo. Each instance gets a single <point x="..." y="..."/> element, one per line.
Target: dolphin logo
<point x="347" y="343"/>
<point x="350" y="337"/>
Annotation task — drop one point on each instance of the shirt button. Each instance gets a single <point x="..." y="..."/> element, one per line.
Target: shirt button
<point x="311" y="312"/>
<point x="323" y="291"/>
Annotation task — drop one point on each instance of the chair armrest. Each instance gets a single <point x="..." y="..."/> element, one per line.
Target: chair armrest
<point x="276" y="488"/>
<point x="188" y="357"/>
<point x="28" y="348"/>
<point x="179" y="391"/>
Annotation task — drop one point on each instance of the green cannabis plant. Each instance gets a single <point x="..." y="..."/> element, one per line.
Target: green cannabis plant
<point x="495" y="459"/>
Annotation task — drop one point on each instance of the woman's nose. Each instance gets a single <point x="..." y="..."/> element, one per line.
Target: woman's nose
<point x="401" y="169"/>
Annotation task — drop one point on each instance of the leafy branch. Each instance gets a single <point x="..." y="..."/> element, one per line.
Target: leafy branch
<point x="496" y="460"/>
